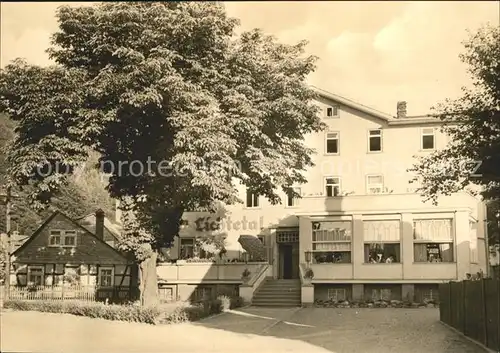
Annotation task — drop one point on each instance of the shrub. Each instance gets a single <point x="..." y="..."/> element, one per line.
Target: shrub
<point x="132" y="313"/>
<point x="237" y="302"/>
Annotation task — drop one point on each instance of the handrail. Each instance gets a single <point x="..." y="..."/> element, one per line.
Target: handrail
<point x="302" y="273"/>
<point x="260" y="272"/>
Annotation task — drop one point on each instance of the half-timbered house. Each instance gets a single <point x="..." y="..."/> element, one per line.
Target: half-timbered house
<point x="64" y="258"/>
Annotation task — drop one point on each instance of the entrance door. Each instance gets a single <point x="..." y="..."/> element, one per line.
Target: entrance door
<point x="286" y="252"/>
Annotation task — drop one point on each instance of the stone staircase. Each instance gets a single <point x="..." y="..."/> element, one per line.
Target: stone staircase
<point x="278" y="292"/>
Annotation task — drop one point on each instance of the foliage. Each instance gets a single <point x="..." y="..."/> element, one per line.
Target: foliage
<point x="213" y="244"/>
<point x="246" y="273"/>
<point x="83" y="193"/>
<point x="309" y="274"/>
<point x="168" y="86"/>
<point x="3" y="257"/>
<point x="473" y="124"/>
<point x="177" y="313"/>
<point x="165" y="81"/>
<point x="132" y="313"/>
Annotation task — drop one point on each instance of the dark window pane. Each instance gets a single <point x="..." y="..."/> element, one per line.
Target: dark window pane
<point x="375" y="143"/>
<point x="332" y="146"/>
<point x="428" y="142"/>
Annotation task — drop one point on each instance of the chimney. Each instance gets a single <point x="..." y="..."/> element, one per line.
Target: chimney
<point x="99" y="224"/>
<point x="401" y="108"/>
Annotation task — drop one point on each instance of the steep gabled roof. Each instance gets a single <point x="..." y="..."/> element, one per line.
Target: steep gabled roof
<point x="69" y="219"/>
<point x="352" y="104"/>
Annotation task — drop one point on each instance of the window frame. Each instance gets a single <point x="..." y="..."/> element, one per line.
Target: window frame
<point x="62" y="238"/>
<point x="337" y="138"/>
<point x="370" y="136"/>
<point x="427" y="242"/>
<point x="99" y="276"/>
<point x="423" y="133"/>
<point x="181" y="239"/>
<point x="336" y="291"/>
<point x="334" y="108"/>
<point x="367" y="185"/>
<point x="255" y="200"/>
<point x="314" y="242"/>
<point x="383" y="242"/>
<point x="339" y="184"/>
<point x="295" y="200"/>
<point x="29" y="273"/>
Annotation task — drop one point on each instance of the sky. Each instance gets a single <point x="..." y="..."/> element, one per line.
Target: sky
<point x="376" y="53"/>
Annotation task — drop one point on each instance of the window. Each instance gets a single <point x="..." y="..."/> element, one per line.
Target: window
<point x="374" y="184"/>
<point x="35" y="276"/>
<point x="332" y="186"/>
<point x="293" y="201"/>
<point x="332" y="112"/>
<point x="433" y="240"/>
<point x="202" y="293"/>
<point x="381" y="294"/>
<point x="187" y="248"/>
<point x="262" y="239"/>
<point x="55" y="238"/>
<point x="428" y="138"/>
<point x="336" y="294"/>
<point x="431" y="294"/>
<point x="70" y="238"/>
<point x="375" y="140"/>
<point x="331" y="242"/>
<point x="166" y="294"/>
<point x="252" y="200"/>
<point x="332" y="143"/>
<point x="192" y="248"/>
<point x="474" y="254"/>
<point x="106" y="276"/>
<point x="65" y="238"/>
<point x="382" y="241"/>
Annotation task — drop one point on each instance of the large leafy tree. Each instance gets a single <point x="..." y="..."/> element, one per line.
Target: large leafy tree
<point x="473" y="124"/>
<point x="159" y="84"/>
<point x="83" y="193"/>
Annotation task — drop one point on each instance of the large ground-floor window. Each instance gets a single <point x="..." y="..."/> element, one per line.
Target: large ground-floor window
<point x="433" y="240"/>
<point x="331" y="242"/>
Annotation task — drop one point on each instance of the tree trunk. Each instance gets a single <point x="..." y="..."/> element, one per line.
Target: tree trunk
<point x="148" y="285"/>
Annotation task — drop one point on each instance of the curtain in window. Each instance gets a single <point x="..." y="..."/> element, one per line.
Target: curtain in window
<point x="380" y="231"/>
<point x="446" y="252"/>
<point x="420" y="253"/>
<point x="432" y="229"/>
<point x="332" y="246"/>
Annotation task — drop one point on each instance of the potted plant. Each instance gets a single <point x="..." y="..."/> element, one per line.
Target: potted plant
<point x="245" y="276"/>
<point x="308" y="276"/>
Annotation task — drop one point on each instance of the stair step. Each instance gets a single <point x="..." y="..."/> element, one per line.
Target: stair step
<point x="277" y="304"/>
<point x="276" y="300"/>
<point x="280" y="287"/>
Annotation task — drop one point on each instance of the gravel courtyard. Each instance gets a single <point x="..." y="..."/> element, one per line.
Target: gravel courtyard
<point x="311" y="330"/>
<point x="351" y="330"/>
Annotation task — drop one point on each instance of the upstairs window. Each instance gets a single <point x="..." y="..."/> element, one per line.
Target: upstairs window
<point x="64" y="238"/>
<point x="332" y="185"/>
<point x="428" y="139"/>
<point x="374" y="184"/>
<point x="293" y="201"/>
<point x="332" y="143"/>
<point x="252" y="200"/>
<point x="332" y="111"/>
<point x="55" y="238"/>
<point x="375" y="140"/>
